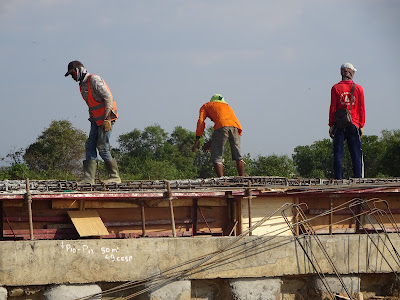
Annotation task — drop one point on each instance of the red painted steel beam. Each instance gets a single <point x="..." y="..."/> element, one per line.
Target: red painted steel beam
<point x="111" y="196"/>
<point x="51" y="234"/>
<point x="59" y="219"/>
<point x="132" y="196"/>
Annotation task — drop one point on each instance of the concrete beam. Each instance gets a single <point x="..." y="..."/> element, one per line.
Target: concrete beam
<point x="84" y="261"/>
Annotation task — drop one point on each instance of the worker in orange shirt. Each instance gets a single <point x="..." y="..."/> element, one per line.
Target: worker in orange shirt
<point x="226" y="128"/>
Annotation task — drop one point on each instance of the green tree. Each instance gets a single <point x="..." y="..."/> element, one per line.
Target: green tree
<point x="153" y="140"/>
<point x="153" y="153"/>
<point x="314" y="161"/>
<point x="179" y="151"/>
<point x="202" y="160"/>
<point x="131" y="155"/>
<point x="58" y="151"/>
<point x="303" y="160"/>
<point x="272" y="165"/>
<point x="159" y="170"/>
<point x="391" y="157"/>
<point x="373" y="154"/>
<point x="18" y="169"/>
<point x="376" y="155"/>
<point x="381" y="157"/>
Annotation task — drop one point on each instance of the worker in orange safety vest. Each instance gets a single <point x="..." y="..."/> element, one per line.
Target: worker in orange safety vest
<point x="102" y="115"/>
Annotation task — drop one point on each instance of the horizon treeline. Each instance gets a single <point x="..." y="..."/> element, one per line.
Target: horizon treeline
<point x="154" y="154"/>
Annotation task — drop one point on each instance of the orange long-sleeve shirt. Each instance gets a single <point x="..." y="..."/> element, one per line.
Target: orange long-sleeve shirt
<point x="218" y="112"/>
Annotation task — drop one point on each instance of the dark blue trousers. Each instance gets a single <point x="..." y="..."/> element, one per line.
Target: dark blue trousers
<point x="352" y="135"/>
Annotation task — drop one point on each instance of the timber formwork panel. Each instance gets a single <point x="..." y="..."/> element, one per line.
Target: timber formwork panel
<point x="226" y="206"/>
<point x="122" y="218"/>
<point x="262" y="207"/>
<point x="341" y="219"/>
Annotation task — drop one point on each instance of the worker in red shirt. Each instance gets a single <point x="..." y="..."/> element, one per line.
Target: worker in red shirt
<point x="341" y="97"/>
<point x="226" y="128"/>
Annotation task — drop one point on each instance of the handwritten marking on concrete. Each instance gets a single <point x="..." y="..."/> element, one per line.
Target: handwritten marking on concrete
<point x="114" y="258"/>
<point x="73" y="249"/>
<point x="105" y="250"/>
<point x="109" y="254"/>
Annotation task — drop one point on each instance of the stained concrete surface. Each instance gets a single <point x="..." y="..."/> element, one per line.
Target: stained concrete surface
<point x="254" y="261"/>
<point x="86" y="261"/>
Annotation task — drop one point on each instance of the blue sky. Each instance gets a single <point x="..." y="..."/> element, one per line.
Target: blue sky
<point x="273" y="61"/>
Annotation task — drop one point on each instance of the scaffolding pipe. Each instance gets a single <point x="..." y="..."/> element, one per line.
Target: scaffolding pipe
<point x="249" y="197"/>
<point x="28" y="198"/>
<point x="143" y="218"/>
<point x="171" y="208"/>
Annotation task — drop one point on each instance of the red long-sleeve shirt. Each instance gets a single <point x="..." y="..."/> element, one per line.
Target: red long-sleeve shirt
<point x="340" y="97"/>
<point x="220" y="113"/>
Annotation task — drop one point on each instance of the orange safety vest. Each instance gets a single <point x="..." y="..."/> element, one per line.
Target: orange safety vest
<point x="97" y="110"/>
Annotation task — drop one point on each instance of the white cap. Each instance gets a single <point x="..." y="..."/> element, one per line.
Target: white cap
<point x="348" y="66"/>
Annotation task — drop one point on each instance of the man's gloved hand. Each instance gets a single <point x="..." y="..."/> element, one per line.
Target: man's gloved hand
<point x="196" y="145"/>
<point x="361" y="131"/>
<point x="331" y="132"/>
<point x="107" y="125"/>
<point x="206" y="147"/>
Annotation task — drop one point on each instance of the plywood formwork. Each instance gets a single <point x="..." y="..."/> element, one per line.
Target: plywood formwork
<point x="226" y="206"/>
<point x="122" y="217"/>
<point x="262" y="207"/>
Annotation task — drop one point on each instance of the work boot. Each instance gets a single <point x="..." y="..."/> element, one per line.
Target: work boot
<point x="112" y="170"/>
<point x="219" y="169"/>
<point x="240" y="167"/>
<point x="89" y="171"/>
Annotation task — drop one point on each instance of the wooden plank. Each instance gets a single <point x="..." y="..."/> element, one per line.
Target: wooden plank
<point x="88" y="223"/>
<point x="53" y="219"/>
<point x="212" y="202"/>
<point x="69" y="204"/>
<point x="156" y="222"/>
<point x="65" y="235"/>
<point x="12" y="203"/>
<point x="187" y="202"/>
<point x="42" y="234"/>
<point x="263" y="207"/>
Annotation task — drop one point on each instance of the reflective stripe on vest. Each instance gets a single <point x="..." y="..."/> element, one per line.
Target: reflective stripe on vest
<point x="97" y="110"/>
